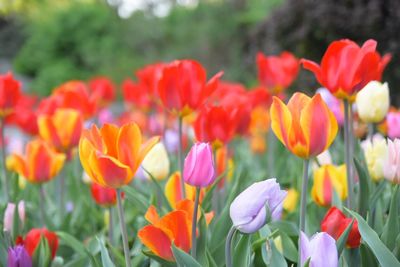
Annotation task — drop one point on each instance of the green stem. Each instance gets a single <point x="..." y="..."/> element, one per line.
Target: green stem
<point x="271" y="153"/>
<point x="42" y="202"/>
<point x="3" y="161"/>
<point x="194" y="222"/>
<point x="111" y="226"/>
<point x="228" y="246"/>
<point x="303" y="201"/>
<point x="370" y="131"/>
<point x="347" y="155"/>
<point x="123" y="228"/>
<point x="180" y="155"/>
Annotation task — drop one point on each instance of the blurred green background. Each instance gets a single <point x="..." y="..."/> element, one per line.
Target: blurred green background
<point x="48" y="42"/>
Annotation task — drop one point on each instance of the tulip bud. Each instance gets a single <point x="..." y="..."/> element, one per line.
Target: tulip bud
<point x="18" y="256"/>
<point x="103" y="196"/>
<point x="320" y="249"/>
<point x="391" y="167"/>
<point x="156" y="162"/>
<point x="248" y="212"/>
<point x="199" y="166"/>
<point x="375" y="153"/>
<point x="373" y="102"/>
<point x="32" y="240"/>
<point x="9" y="215"/>
<point x="291" y="199"/>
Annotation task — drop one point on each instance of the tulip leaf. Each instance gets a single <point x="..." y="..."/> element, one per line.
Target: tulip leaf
<point x="366" y="257"/>
<point x="287" y="227"/>
<point x="342" y="240"/>
<point x="392" y="224"/>
<point x="369" y="236"/>
<point x="289" y="248"/>
<point x="159" y="189"/>
<point x="183" y="259"/>
<point x="163" y="262"/>
<point x="208" y="196"/>
<point x="105" y="257"/>
<point x="276" y="259"/>
<point x="363" y="200"/>
<point x="307" y="264"/>
<point x="241" y="252"/>
<point x="42" y="254"/>
<point x="136" y="197"/>
<point x="378" y="192"/>
<point x="202" y="240"/>
<point x="211" y="261"/>
<point x="115" y="254"/>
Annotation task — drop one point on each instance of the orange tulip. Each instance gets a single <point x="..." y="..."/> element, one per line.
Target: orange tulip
<point x="173" y="190"/>
<point x="306" y="126"/>
<point x="112" y="155"/>
<point x="40" y="163"/>
<point x="62" y="129"/>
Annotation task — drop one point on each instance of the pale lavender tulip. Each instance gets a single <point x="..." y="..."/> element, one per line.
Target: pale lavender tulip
<point x="333" y="103"/>
<point x="199" y="168"/>
<point x="248" y="210"/>
<point x="18" y="257"/>
<point x="393" y="124"/>
<point x="171" y="139"/>
<point x="321" y="248"/>
<point x="9" y="215"/>
<point x="391" y="167"/>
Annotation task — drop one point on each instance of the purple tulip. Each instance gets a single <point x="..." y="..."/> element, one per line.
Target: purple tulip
<point x="18" y="257"/>
<point x="171" y="139"/>
<point x="321" y="249"/>
<point x="248" y="210"/>
<point x="199" y="166"/>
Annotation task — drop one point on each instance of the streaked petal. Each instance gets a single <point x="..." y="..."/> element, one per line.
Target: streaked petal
<point x="109" y="135"/>
<point x="152" y="215"/>
<point x="157" y="241"/>
<point x="281" y="120"/>
<point x="129" y="141"/>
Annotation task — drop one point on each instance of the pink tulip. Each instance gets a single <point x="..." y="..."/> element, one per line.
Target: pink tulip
<point x="391" y="167"/>
<point x="199" y="166"/>
<point x="393" y="124"/>
<point x="9" y="215"/>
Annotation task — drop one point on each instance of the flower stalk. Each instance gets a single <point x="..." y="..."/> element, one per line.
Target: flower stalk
<point x="228" y="246"/>
<point x="123" y="228"/>
<point x="348" y="150"/>
<point x="303" y="201"/>
<point x="180" y="154"/>
<point x="194" y="222"/>
<point x="3" y="161"/>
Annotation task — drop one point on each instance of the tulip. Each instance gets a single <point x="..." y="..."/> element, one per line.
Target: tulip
<point x="291" y="199"/>
<point x="320" y="249"/>
<point x="103" y="196"/>
<point x="183" y="87"/>
<point x="102" y="89"/>
<point x="373" y="102"/>
<point x="33" y="237"/>
<point x="9" y="215"/>
<point x="393" y="124"/>
<point x="112" y="155"/>
<point x="248" y="212"/>
<point x="326" y="179"/>
<point x="156" y="162"/>
<point x="62" y="129"/>
<point x="375" y="152"/>
<point x="346" y="68"/>
<point x="333" y="103"/>
<point x="391" y="167"/>
<point x="136" y="94"/>
<point x="199" y="166"/>
<point x="18" y="257"/>
<point x="306" y="126"/>
<point x="277" y="72"/>
<point x="173" y="190"/>
<point x="10" y="93"/>
<point x="174" y="227"/>
<point x="40" y="164"/>
<point x="335" y="223"/>
<point x="149" y="76"/>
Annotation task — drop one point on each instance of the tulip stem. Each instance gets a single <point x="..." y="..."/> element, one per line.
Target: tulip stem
<point x="3" y="160"/>
<point x="228" y="246"/>
<point x="42" y="203"/>
<point x="180" y="155"/>
<point x="194" y="222"/>
<point x="370" y="131"/>
<point x="111" y="226"/>
<point x="123" y="228"/>
<point x="303" y="201"/>
<point x="347" y="155"/>
<point x="271" y="152"/>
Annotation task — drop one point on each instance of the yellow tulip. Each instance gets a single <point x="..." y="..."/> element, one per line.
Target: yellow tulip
<point x="156" y="162"/>
<point x="375" y="152"/>
<point x="290" y="202"/>
<point x="373" y="102"/>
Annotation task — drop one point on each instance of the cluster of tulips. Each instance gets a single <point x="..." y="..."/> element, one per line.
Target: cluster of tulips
<point x="171" y="164"/>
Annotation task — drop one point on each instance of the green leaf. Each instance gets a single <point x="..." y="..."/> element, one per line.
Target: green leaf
<point x="241" y="253"/>
<point x="42" y="254"/>
<point x="378" y="192"/>
<point x="341" y="242"/>
<point x="117" y="256"/>
<point x="16" y="222"/>
<point x="367" y="258"/>
<point x="369" y="236"/>
<point x="289" y="228"/>
<point x="202" y="241"/>
<point x="163" y="262"/>
<point x="136" y="197"/>
<point x="183" y="259"/>
<point x="210" y="259"/>
<point x="276" y="259"/>
<point x="307" y="264"/>
<point x="289" y="248"/>
<point x="391" y="228"/>
<point x="363" y="200"/>
<point x="159" y="189"/>
<point x="208" y="196"/>
<point x="105" y="257"/>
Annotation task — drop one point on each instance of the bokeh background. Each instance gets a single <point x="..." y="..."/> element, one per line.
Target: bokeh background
<point x="47" y="42"/>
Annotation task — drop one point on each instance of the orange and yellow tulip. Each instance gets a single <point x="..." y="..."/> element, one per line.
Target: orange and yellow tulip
<point x="306" y="126"/>
<point x="326" y="179"/>
<point x="62" y="129"/>
<point x="112" y="155"/>
<point x="40" y="163"/>
<point x="173" y="190"/>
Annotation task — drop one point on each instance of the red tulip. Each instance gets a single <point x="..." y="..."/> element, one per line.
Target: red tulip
<point x="136" y="94"/>
<point x="346" y="68"/>
<point x="335" y="222"/>
<point x="183" y="86"/>
<point x="277" y="72"/>
<point x="10" y="92"/>
<point x="148" y="76"/>
<point x="32" y="240"/>
<point x="102" y="89"/>
<point x="103" y="196"/>
<point x="25" y="115"/>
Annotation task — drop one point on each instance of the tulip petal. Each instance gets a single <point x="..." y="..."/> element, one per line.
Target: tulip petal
<point x="146" y="147"/>
<point x="129" y="140"/>
<point x="109" y="134"/>
<point x="157" y="241"/>
<point x="324" y="251"/>
<point x="152" y="215"/>
<point x="17" y="163"/>
<point x="281" y="120"/>
<point x="48" y="131"/>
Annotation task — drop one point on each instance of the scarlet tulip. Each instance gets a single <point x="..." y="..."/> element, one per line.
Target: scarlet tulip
<point x="183" y="86"/>
<point x="277" y="72"/>
<point x="62" y="129"/>
<point x="25" y="115"/>
<point x="136" y="94"/>
<point x="103" y="196"/>
<point x="306" y="126"/>
<point x="32" y="240"/>
<point x="102" y="89"/>
<point x="335" y="222"/>
<point x="40" y="163"/>
<point x="112" y="155"/>
<point x="148" y="77"/>
<point x="10" y="92"/>
<point x="346" y="68"/>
